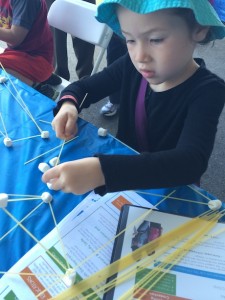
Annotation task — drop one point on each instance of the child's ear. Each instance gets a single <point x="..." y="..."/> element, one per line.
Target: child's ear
<point x="200" y="33"/>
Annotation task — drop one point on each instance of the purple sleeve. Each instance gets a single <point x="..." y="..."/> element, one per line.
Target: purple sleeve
<point x="24" y="12"/>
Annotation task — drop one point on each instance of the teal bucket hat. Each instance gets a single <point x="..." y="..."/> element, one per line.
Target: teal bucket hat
<point x="203" y="11"/>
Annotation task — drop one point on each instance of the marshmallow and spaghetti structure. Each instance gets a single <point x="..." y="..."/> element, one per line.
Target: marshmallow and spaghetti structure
<point x="182" y="239"/>
<point x="12" y="89"/>
<point x="167" y="249"/>
<point x="46" y="198"/>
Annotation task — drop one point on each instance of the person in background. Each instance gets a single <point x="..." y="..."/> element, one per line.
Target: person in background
<point x="170" y="103"/>
<point x="84" y="52"/>
<point x="24" y="28"/>
<point x="219" y="6"/>
<point x="116" y="48"/>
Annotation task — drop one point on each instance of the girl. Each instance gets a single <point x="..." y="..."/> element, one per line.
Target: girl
<point x="170" y="103"/>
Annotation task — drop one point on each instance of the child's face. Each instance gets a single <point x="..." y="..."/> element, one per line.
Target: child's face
<point x="160" y="45"/>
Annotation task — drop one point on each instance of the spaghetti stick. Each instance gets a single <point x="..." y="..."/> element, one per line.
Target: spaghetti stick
<point x="83" y="100"/>
<point x="174" y="198"/>
<point x="198" y="192"/>
<point x="19" y="195"/>
<point x="54" y="284"/>
<point x="14" y="227"/>
<point x="123" y="144"/>
<point x="21" y="102"/>
<point x="126" y="261"/>
<point x="27" y="138"/>
<point x="49" y="151"/>
<point x="23" y="199"/>
<point x="2" y="133"/>
<point x="58" y="158"/>
<point x="3" y="124"/>
<point x="32" y="274"/>
<point x="59" y="236"/>
<point x="33" y="237"/>
<point x="146" y="261"/>
<point x="43" y="121"/>
<point x="132" y="224"/>
<point x="171" y="259"/>
<point x="177" y="255"/>
<point x="25" y="108"/>
<point x="116" y="236"/>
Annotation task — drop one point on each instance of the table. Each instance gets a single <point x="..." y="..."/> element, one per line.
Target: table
<point x="17" y="177"/>
<point x="25" y="179"/>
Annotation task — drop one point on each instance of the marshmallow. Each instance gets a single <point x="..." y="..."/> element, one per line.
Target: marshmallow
<point x="3" y="200"/>
<point x="102" y="132"/>
<point x="49" y="185"/>
<point x="70" y="277"/>
<point x="43" y="167"/>
<point x="3" y="79"/>
<point x="46" y="197"/>
<point x="215" y="204"/>
<point x="7" y="142"/>
<point x="45" y="134"/>
<point x="54" y="161"/>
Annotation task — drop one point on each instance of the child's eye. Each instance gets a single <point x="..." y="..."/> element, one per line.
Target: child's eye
<point x="129" y="41"/>
<point x="156" y="41"/>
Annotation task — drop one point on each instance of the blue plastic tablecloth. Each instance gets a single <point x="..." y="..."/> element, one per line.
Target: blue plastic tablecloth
<point x="19" y="178"/>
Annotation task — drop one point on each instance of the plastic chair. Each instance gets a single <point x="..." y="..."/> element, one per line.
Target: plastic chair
<point x="77" y="18"/>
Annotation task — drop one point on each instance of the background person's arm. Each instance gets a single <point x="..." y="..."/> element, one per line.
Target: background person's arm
<point x="13" y="36"/>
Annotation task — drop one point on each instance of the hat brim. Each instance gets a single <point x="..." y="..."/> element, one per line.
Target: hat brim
<point x="203" y="11"/>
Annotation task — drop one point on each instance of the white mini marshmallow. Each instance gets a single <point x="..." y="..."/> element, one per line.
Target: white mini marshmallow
<point x="3" y="200"/>
<point x="49" y="185"/>
<point x="54" y="161"/>
<point x="7" y="142"/>
<point x="70" y="277"/>
<point x="46" y="197"/>
<point x="102" y="132"/>
<point x="215" y="204"/>
<point x="3" y="79"/>
<point x="43" y="167"/>
<point x="45" y="134"/>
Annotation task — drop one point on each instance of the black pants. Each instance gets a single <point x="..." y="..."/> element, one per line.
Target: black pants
<point x="84" y="52"/>
<point x="116" y="48"/>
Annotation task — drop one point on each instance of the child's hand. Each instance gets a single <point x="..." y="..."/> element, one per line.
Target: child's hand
<point x="77" y="177"/>
<point x="65" y="122"/>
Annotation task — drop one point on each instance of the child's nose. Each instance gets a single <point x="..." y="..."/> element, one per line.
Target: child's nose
<point x="141" y="54"/>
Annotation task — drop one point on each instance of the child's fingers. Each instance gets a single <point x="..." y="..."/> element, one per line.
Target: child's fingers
<point x="51" y="175"/>
<point x="60" y="129"/>
<point x="70" y="128"/>
<point x="56" y="184"/>
<point x="53" y="183"/>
